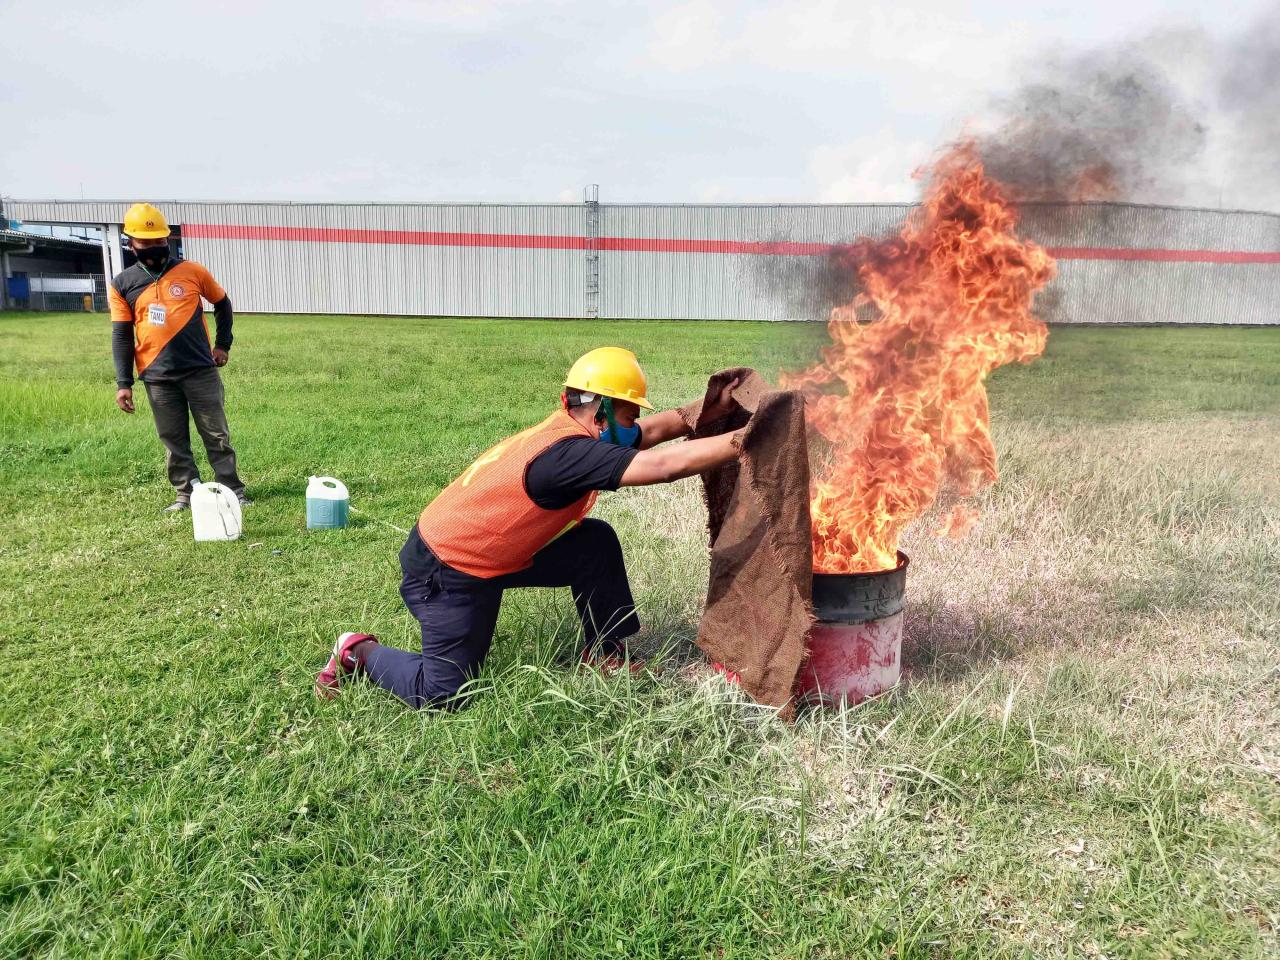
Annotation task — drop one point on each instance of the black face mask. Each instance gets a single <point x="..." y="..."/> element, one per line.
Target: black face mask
<point x="153" y="258"/>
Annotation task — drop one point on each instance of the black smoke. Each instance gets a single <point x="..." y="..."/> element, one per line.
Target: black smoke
<point x="1249" y="94"/>
<point x="1103" y="126"/>
<point x="1177" y="116"/>
<point x="812" y="286"/>
<point x="1172" y="117"/>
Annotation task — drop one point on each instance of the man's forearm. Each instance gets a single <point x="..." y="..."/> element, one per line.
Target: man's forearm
<point x="222" y="321"/>
<point x="660" y="427"/>
<point x="122" y="353"/>
<point x="699" y="456"/>
<point x="679" y="460"/>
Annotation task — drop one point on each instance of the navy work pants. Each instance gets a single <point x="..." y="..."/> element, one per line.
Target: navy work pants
<point x="458" y="613"/>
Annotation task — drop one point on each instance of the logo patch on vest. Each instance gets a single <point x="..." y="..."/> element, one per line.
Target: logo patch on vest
<point x="177" y="290"/>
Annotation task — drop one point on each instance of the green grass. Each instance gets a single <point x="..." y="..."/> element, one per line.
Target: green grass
<point x="1140" y="373"/>
<point x="1084" y="760"/>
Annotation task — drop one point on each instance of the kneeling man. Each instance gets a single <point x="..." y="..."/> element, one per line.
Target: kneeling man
<point x="517" y="517"/>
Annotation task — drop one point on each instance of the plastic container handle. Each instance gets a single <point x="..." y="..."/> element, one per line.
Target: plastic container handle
<point x="330" y="483"/>
<point x="224" y="495"/>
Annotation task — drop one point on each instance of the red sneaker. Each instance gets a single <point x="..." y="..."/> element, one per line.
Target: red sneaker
<point x="340" y="664"/>
<point x="729" y="675"/>
<point x="610" y="663"/>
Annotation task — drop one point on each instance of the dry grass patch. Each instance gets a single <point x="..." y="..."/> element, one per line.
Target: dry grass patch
<point x="1090" y="690"/>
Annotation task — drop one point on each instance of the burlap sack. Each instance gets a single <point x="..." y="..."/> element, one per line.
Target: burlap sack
<point x="759" y="594"/>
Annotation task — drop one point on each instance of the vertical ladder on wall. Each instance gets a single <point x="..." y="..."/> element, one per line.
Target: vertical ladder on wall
<point x="591" y="246"/>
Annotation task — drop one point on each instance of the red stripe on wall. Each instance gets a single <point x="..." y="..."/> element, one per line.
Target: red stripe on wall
<point x="525" y="241"/>
<point x="782" y="248"/>
<point x="1166" y="256"/>
<point x="430" y="238"/>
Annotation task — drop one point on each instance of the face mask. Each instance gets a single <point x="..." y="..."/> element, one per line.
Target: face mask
<point x="613" y="433"/>
<point x="153" y="258"/>
<point x="622" y="436"/>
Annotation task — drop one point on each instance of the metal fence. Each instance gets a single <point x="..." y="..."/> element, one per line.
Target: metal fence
<point x="61" y="292"/>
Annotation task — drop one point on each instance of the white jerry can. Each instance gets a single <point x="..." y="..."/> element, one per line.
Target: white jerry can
<point x="215" y="512"/>
<point x="327" y="503"/>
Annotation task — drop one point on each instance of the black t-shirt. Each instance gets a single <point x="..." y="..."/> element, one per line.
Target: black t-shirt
<point x="569" y="469"/>
<point x="562" y="474"/>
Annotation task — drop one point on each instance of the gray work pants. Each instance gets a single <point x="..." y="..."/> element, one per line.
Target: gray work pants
<point x="200" y="395"/>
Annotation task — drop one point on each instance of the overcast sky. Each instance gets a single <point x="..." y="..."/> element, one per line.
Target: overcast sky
<point x="491" y="100"/>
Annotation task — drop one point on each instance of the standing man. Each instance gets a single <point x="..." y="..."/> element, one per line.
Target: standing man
<point x="158" y="325"/>
<point x="517" y="517"/>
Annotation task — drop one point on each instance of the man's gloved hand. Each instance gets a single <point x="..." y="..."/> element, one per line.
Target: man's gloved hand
<point x="724" y="403"/>
<point x="721" y="405"/>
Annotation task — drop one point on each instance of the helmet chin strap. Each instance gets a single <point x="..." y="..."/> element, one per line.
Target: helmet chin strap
<point x="606" y="413"/>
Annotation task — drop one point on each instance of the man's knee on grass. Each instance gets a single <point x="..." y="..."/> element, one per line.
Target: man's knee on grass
<point x="443" y="699"/>
<point x="599" y="539"/>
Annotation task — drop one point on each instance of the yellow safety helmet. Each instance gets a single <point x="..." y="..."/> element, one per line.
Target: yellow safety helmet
<point x="610" y="372"/>
<point x="145" y="222"/>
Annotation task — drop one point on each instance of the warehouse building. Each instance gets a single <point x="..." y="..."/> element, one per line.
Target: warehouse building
<point x="51" y="268"/>
<point x="1117" y="263"/>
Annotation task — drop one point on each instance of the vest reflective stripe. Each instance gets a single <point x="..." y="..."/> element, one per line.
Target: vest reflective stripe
<point x="484" y="523"/>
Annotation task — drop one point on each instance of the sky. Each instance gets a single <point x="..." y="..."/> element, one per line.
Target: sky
<point x="697" y="101"/>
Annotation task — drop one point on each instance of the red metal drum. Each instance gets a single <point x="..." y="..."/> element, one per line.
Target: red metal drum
<point x="855" y="647"/>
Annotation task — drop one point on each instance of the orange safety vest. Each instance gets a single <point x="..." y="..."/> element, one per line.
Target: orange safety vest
<point x="485" y="523"/>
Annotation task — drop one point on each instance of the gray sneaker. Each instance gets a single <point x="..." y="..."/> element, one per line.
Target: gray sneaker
<point x="177" y="507"/>
<point x="244" y="500"/>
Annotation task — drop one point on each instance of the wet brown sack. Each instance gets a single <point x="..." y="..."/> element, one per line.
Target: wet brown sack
<point x="759" y="593"/>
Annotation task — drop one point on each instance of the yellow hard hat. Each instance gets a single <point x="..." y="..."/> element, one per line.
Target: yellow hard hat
<point x="145" y="222"/>
<point x="610" y="372"/>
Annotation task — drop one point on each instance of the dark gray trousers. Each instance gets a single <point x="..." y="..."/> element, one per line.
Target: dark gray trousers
<point x="197" y="395"/>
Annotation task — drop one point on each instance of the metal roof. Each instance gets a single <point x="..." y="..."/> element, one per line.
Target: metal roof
<point x="16" y="237"/>
<point x="40" y="240"/>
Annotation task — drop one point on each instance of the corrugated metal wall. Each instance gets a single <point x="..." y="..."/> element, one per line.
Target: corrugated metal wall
<point x="289" y="276"/>
<point x="714" y="286"/>
<point x="1106" y="290"/>
<point x="718" y="286"/>
<point x="413" y="279"/>
<point x="664" y="261"/>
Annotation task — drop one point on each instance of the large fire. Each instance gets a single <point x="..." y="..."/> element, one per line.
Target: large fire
<point x="900" y="403"/>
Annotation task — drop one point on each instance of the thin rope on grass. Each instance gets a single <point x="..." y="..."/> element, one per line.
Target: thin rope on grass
<point x="379" y="520"/>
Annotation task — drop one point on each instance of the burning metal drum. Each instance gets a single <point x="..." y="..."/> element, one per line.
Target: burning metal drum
<point x="855" y="647"/>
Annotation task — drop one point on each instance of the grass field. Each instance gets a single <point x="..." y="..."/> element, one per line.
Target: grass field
<point x="1084" y="760"/>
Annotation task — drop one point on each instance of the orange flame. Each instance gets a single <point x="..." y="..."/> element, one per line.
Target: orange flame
<point x="953" y="294"/>
<point x="958" y="522"/>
